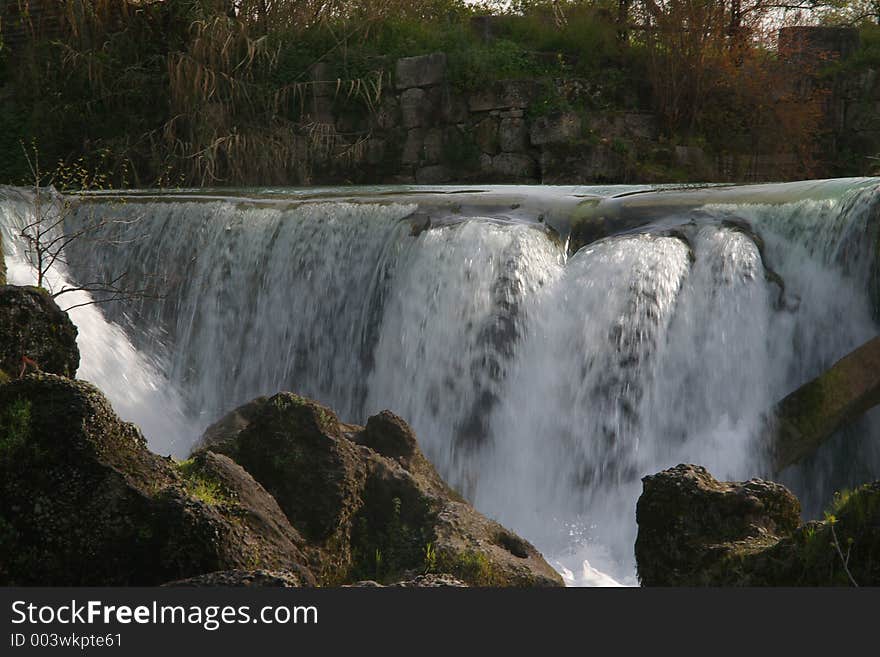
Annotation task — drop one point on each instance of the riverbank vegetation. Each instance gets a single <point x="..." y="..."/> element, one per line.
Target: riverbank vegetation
<point x="213" y="92"/>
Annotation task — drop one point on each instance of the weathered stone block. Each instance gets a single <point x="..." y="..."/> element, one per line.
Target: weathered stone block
<point x="485" y="100"/>
<point x="486" y="135"/>
<point x="376" y="150"/>
<point x="387" y="116"/>
<point x="554" y="129"/>
<point x="433" y="175"/>
<point x="513" y="136"/>
<point x="414" y="108"/>
<point x="413" y="146"/>
<point x="421" y="71"/>
<point x="518" y="94"/>
<point x="432" y="149"/>
<point x="514" y="166"/>
<point x="453" y="107"/>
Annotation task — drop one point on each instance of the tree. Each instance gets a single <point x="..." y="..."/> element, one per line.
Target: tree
<point x="47" y="239"/>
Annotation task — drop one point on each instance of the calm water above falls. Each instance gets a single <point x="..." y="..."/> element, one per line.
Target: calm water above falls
<point x="542" y="382"/>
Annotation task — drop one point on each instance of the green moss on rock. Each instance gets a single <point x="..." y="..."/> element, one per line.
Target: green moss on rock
<point x="33" y="326"/>
<point x="84" y="502"/>
<point x="366" y="499"/>
<point x="693" y="532"/>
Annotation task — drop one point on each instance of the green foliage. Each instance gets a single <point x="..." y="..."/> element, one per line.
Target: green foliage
<point x="473" y="68"/>
<point x="389" y="538"/>
<point x="460" y="149"/>
<point x="469" y="566"/>
<point x="588" y="37"/>
<point x="866" y="57"/>
<point x="202" y="486"/>
<point x="430" y="558"/>
<point x="15" y="429"/>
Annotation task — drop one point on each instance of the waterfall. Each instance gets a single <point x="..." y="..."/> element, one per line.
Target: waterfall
<point x="133" y="383"/>
<point x="543" y="384"/>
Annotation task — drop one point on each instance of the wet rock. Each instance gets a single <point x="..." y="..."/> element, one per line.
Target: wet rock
<point x="697" y="531"/>
<point x="84" y="502"/>
<point x="33" y="326"/>
<point x="367" y="500"/>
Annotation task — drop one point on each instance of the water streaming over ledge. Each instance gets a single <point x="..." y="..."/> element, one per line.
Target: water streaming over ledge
<point x="542" y="383"/>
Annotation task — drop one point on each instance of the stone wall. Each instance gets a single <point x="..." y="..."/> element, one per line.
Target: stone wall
<point x="425" y="130"/>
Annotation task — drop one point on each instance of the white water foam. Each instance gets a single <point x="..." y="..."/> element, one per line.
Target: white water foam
<point x="543" y="387"/>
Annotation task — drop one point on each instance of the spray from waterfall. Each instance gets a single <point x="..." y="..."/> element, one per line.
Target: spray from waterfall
<point x="542" y="384"/>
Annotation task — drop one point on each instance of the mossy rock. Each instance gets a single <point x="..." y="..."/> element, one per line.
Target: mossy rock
<point x="84" y="502"/>
<point x="689" y="521"/>
<point x="697" y="531"/>
<point x="33" y="326"/>
<point x="367" y="500"/>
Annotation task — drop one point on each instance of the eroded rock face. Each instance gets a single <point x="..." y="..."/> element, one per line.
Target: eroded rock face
<point x="33" y="326"/>
<point x="367" y="499"/>
<point x="688" y="520"/>
<point x="697" y="531"/>
<point x="84" y="502"/>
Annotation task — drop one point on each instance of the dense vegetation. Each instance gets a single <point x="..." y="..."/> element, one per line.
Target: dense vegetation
<point x="213" y="91"/>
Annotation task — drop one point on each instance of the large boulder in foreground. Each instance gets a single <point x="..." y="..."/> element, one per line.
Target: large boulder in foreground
<point x="697" y="531"/>
<point x="33" y="326"/>
<point x="84" y="502"/>
<point x="366" y="498"/>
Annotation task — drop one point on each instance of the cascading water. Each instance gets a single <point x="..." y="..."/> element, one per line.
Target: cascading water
<point x="133" y="383"/>
<point x="542" y="384"/>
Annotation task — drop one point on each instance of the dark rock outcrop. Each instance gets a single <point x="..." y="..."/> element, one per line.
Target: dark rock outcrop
<point x="688" y="521"/>
<point x="33" y="326"/>
<point x="84" y="502"/>
<point x="697" y="531"/>
<point x="367" y="499"/>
